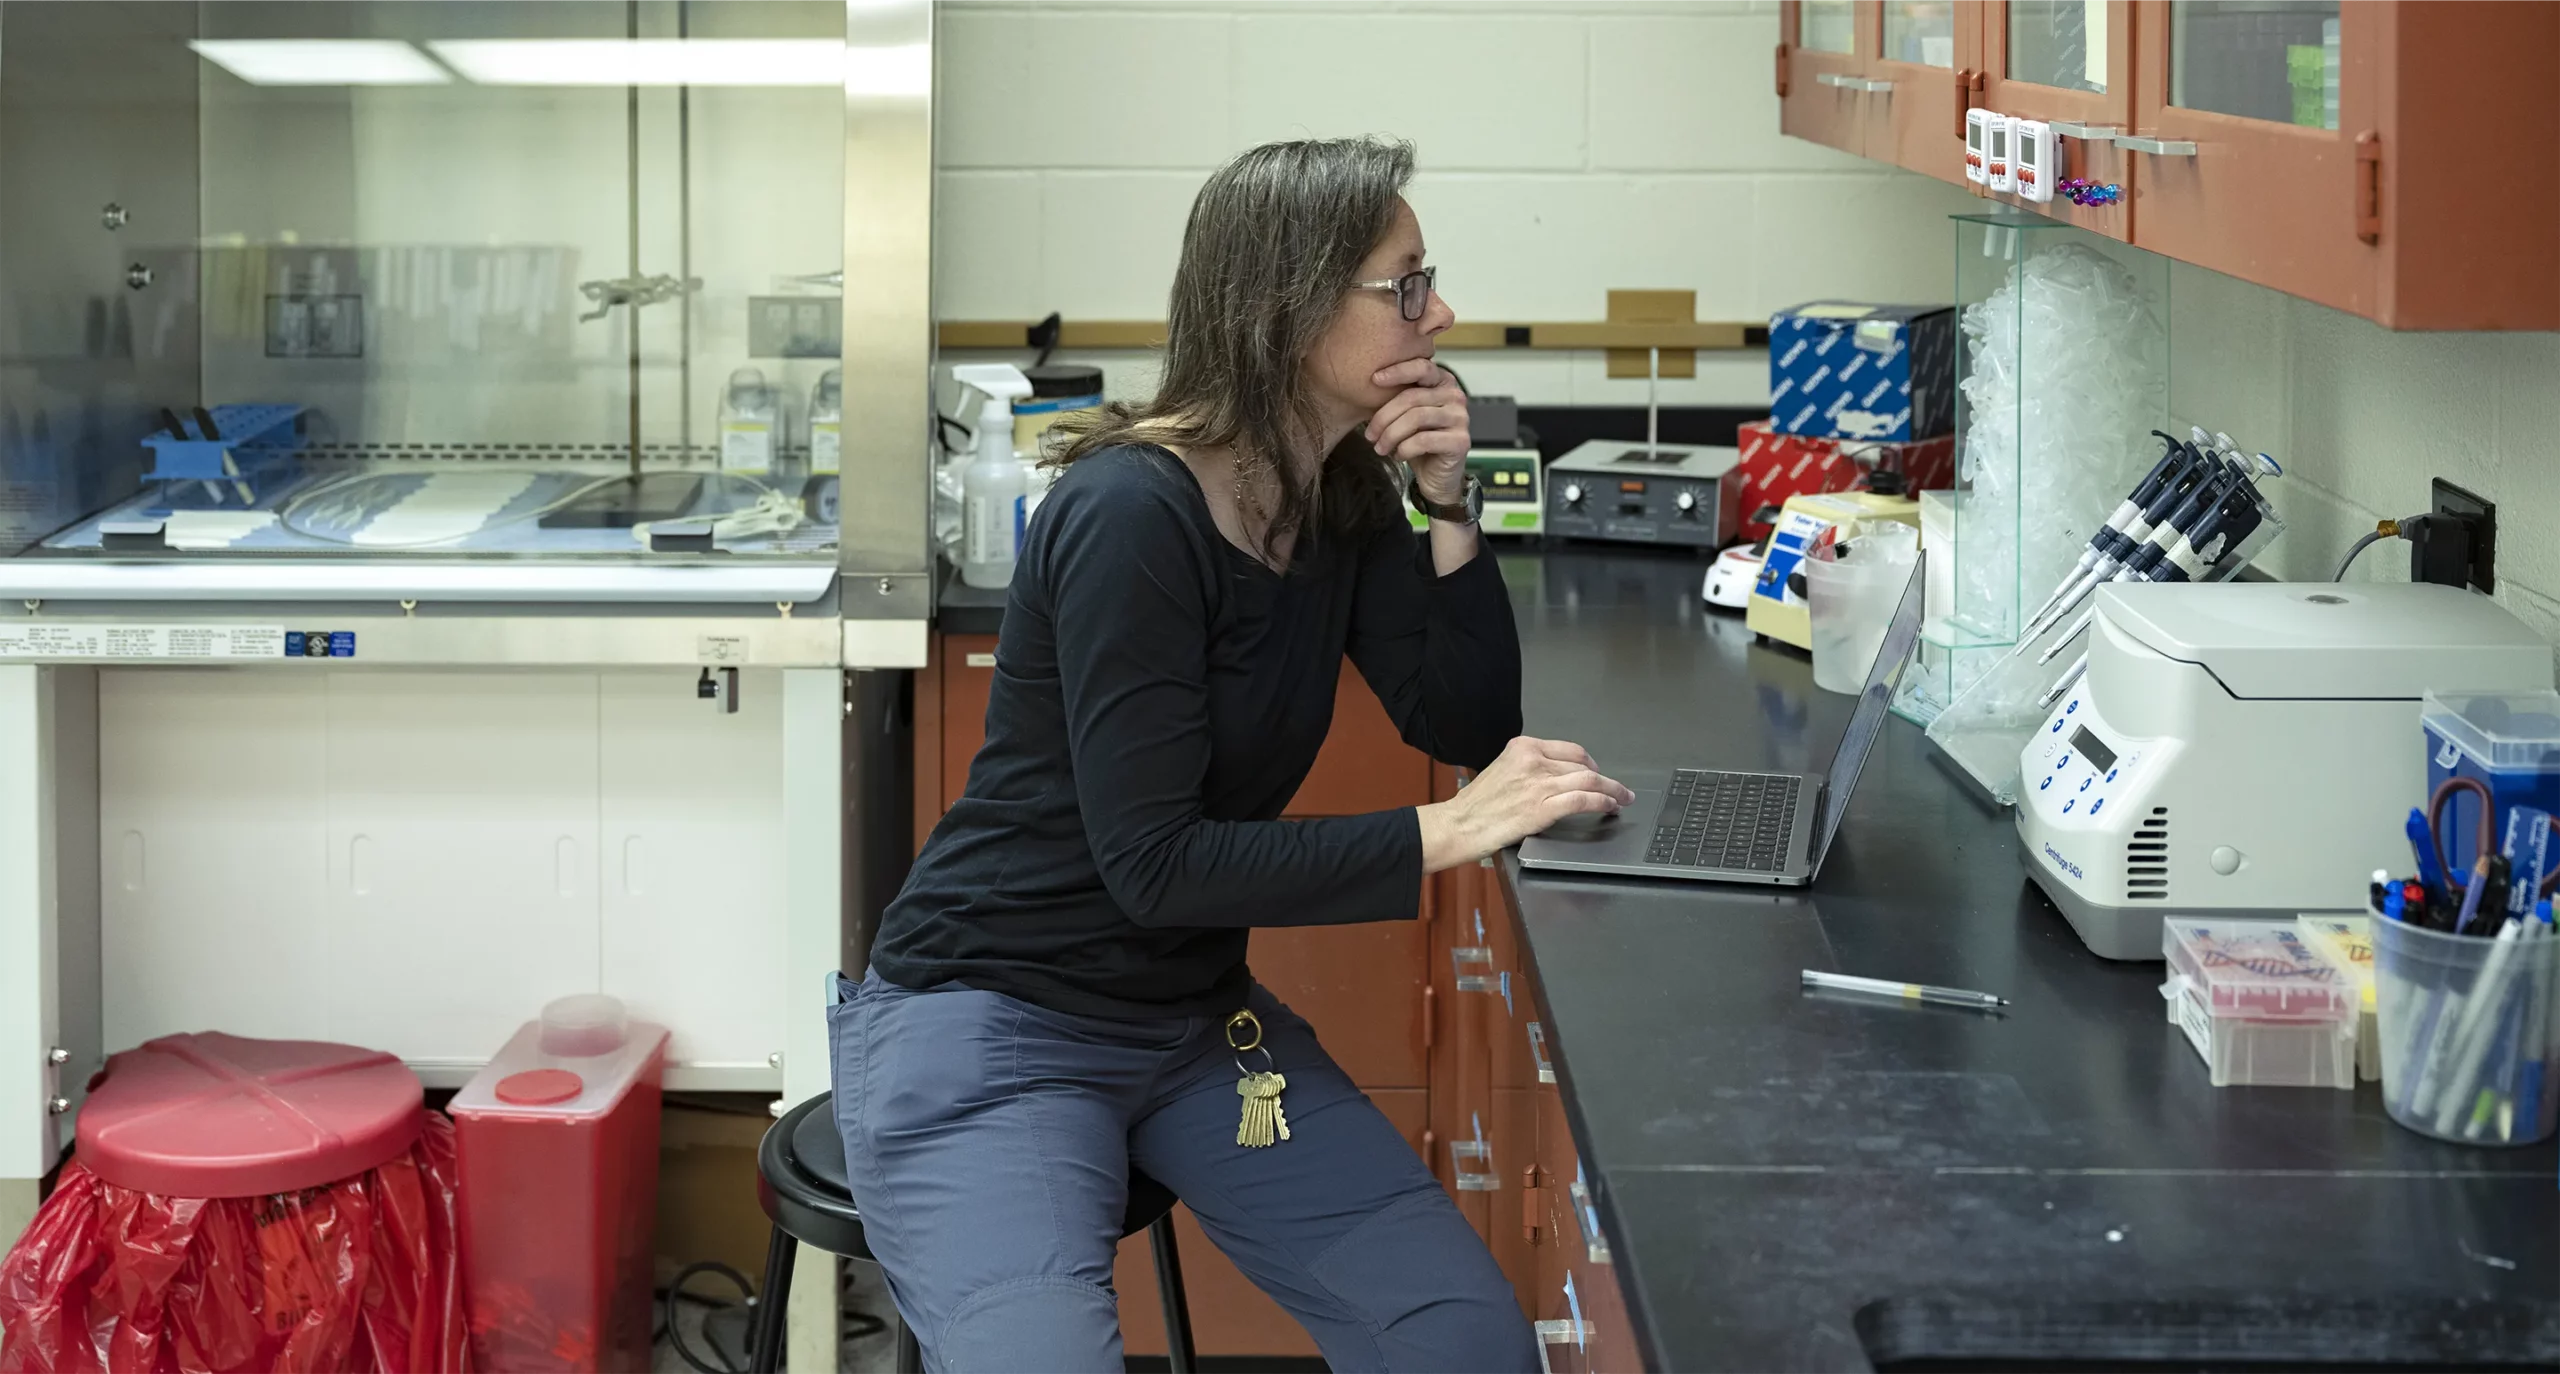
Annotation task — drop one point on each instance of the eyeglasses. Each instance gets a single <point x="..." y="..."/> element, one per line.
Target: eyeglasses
<point x="1413" y="290"/>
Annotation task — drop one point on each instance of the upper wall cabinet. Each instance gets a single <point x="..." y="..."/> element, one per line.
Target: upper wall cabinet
<point x="2383" y="157"/>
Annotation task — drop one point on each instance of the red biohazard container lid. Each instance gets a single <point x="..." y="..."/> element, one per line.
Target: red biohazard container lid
<point x="214" y="1115"/>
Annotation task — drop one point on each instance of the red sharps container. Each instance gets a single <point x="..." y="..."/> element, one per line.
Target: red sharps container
<point x="559" y="1141"/>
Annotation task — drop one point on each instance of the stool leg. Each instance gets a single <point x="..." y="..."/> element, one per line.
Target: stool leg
<point x="910" y="1354"/>
<point x="764" y="1355"/>
<point x="1177" y="1310"/>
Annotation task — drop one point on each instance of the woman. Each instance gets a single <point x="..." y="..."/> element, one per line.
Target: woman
<point x="1060" y="993"/>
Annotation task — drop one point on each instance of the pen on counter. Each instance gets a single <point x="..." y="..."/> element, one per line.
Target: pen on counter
<point x="1909" y="992"/>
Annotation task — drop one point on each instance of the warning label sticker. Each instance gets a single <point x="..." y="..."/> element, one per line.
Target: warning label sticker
<point x="28" y="640"/>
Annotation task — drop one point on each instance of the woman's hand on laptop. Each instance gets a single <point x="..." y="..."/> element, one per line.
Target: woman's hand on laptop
<point x="1534" y="784"/>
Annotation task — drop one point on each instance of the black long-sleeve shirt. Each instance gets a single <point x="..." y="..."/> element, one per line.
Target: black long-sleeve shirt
<point x="1159" y="695"/>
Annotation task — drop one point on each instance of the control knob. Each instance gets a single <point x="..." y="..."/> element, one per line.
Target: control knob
<point x="1573" y="493"/>
<point x="1686" y="502"/>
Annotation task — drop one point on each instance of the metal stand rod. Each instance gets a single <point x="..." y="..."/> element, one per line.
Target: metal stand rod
<point x="1177" y="1309"/>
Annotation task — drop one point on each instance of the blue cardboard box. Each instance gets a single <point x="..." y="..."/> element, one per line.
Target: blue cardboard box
<point x="1842" y="370"/>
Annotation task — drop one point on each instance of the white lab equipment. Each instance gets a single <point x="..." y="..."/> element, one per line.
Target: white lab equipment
<point x="993" y="486"/>
<point x="1977" y="145"/>
<point x="2000" y="130"/>
<point x="2246" y="749"/>
<point x="2034" y="159"/>
<point x="750" y="424"/>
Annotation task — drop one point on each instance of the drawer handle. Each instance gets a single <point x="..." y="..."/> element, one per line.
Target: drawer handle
<point x="1587" y="1218"/>
<point x="1538" y="1053"/>
<point x="2096" y="133"/>
<point x="1831" y="79"/>
<point x="1472" y="966"/>
<point x="1557" y="1333"/>
<point x="1875" y="87"/>
<point x="1477" y="1152"/>
<point x="980" y="660"/>
<point x="2157" y="147"/>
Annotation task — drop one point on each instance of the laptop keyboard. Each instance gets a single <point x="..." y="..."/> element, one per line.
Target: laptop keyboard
<point x="1726" y="820"/>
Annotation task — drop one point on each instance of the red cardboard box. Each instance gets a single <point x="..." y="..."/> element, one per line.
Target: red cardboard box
<point x="1776" y="465"/>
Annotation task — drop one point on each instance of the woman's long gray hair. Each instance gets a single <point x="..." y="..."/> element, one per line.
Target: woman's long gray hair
<point x="1275" y="240"/>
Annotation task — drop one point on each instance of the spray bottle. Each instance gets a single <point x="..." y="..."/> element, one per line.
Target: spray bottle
<point x="992" y="486"/>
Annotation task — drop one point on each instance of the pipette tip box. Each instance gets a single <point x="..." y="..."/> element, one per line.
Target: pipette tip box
<point x="2348" y="943"/>
<point x="2260" y="1004"/>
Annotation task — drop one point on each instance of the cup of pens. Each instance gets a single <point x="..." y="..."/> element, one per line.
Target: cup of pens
<point x="2470" y="1029"/>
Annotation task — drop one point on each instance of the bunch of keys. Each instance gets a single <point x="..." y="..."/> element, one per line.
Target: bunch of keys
<point x="1264" y="1121"/>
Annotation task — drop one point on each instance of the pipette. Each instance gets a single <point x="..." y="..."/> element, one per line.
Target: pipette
<point x="2195" y="471"/>
<point x="2196" y="554"/>
<point x="2111" y="539"/>
<point x="2125" y="529"/>
<point x="2063" y="684"/>
<point x="2217" y="544"/>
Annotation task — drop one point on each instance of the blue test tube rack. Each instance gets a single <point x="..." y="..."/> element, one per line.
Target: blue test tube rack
<point x="253" y="441"/>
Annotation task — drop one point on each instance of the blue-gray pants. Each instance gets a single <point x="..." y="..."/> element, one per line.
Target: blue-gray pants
<point x="989" y="1144"/>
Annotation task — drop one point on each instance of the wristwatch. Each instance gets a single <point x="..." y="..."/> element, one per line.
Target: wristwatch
<point x="1468" y="510"/>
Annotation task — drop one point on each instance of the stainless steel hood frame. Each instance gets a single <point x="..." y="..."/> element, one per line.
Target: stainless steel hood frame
<point x="887" y="557"/>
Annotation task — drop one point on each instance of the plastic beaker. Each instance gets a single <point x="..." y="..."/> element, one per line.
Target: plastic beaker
<point x="1851" y="590"/>
<point x="2470" y="1032"/>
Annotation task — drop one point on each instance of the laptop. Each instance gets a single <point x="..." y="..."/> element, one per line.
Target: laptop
<point x="1724" y="826"/>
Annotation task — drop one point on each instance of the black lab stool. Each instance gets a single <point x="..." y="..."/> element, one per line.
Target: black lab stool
<point x="801" y="1182"/>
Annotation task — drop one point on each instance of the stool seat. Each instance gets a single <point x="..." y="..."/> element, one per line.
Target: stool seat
<point x="802" y="1185"/>
<point x="800" y="1168"/>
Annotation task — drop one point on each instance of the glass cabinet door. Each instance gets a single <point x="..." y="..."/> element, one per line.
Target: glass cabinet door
<point x="2057" y="43"/>
<point x="2272" y="60"/>
<point x="1828" y="26"/>
<point x="1921" y="33"/>
<point x="1826" y="46"/>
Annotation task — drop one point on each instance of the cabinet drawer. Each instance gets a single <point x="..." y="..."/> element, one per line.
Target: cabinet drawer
<point x="1229" y="1316"/>
<point x="1360" y="987"/>
<point x="1364" y="765"/>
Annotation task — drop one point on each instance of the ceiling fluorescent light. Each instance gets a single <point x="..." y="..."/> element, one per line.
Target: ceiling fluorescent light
<point x="321" y="61"/>
<point x="646" y="61"/>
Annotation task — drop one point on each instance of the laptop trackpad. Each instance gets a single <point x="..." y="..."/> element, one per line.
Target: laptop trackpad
<point x="1593" y="829"/>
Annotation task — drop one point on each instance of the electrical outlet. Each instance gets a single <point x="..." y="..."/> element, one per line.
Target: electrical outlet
<point x="2459" y="546"/>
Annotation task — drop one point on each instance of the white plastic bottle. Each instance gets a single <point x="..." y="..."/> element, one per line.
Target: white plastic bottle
<point x="750" y="424"/>
<point x="993" y="485"/>
<point x="826" y="424"/>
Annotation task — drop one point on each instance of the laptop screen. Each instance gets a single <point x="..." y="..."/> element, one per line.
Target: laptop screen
<point x="1868" y="719"/>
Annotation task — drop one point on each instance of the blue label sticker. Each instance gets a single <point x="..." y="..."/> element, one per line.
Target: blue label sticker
<point x="342" y="644"/>
<point x="293" y="643"/>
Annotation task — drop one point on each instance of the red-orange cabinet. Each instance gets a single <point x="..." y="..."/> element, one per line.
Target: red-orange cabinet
<point x="2383" y="157"/>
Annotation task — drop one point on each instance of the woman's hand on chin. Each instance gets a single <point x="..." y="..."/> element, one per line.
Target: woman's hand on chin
<point x="1424" y="426"/>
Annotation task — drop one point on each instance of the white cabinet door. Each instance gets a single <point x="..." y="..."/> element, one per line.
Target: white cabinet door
<point x="462" y="856"/>
<point x="213" y="851"/>
<point x="695" y="865"/>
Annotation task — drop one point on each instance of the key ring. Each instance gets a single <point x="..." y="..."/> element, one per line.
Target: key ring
<point x="1242" y="1020"/>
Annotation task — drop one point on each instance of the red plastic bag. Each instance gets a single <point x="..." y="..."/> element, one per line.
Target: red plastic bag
<point x="359" y="1275"/>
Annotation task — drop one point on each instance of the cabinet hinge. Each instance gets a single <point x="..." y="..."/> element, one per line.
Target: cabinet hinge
<point x="1532" y="1206"/>
<point x="2369" y="186"/>
<point x="1968" y="83"/>
<point x="1782" y="71"/>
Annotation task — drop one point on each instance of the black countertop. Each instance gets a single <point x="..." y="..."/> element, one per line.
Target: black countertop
<point x="965" y="610"/>
<point x="1794" y="1181"/>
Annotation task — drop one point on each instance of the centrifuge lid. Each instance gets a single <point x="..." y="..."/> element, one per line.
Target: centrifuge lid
<point x="2328" y="640"/>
